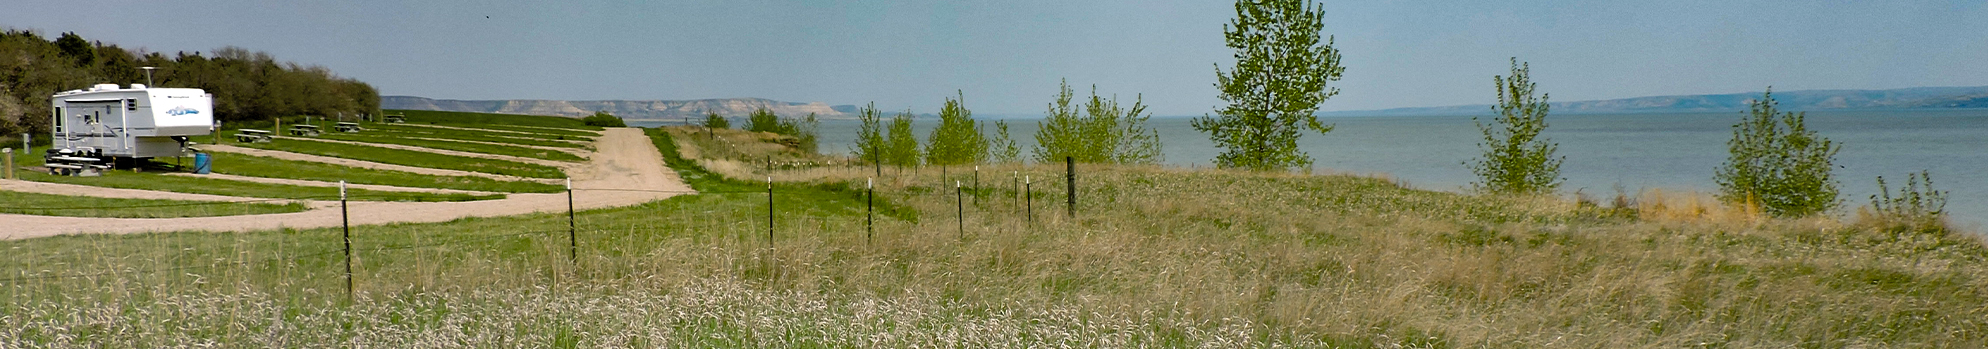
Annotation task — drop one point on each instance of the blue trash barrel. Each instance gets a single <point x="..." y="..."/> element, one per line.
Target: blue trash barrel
<point x="202" y="163"/>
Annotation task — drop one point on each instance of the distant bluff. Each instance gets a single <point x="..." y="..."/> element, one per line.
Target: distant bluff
<point x="632" y="110"/>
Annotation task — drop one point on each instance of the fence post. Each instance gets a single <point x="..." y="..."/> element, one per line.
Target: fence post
<point x="1028" y="198"/>
<point x="769" y="211"/>
<point x="572" y="234"/>
<point x="976" y="185"/>
<point x="1070" y="172"/>
<point x="870" y="216"/>
<point x="345" y="218"/>
<point x="959" y="197"/>
<point x="10" y="160"/>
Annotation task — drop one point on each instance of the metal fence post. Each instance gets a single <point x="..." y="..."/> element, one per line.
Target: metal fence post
<point x="959" y="197"/>
<point x="572" y="231"/>
<point x="345" y="218"/>
<point x="769" y="211"/>
<point x="870" y="216"/>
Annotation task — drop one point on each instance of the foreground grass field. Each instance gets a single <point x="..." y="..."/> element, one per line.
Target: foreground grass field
<point x="213" y="186"/>
<point x="84" y="206"/>
<point x="411" y="158"/>
<point x="1153" y="257"/>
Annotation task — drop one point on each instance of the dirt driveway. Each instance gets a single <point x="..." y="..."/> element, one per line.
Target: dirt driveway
<point x="625" y="159"/>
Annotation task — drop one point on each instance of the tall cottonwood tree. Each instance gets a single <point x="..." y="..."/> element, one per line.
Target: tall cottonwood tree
<point x="1283" y="65"/>
<point x="1516" y="159"/>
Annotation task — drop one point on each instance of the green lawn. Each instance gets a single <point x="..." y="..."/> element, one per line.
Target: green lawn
<point x="411" y="158"/>
<point x="536" y="139"/>
<point x="485" y="119"/>
<point x="85" y="206"/>
<point x="212" y="186"/>
<point x="258" y="166"/>
<point x="523" y="152"/>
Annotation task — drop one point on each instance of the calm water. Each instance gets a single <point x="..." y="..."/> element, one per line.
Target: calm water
<point x="1636" y="151"/>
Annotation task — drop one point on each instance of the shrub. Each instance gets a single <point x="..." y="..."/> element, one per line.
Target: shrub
<point x="802" y="131"/>
<point x="1516" y="160"/>
<point x="713" y="120"/>
<point x="603" y="119"/>
<point x="1106" y="133"/>
<point x="1777" y="165"/>
<point x="1917" y="207"/>
<point x="957" y="140"/>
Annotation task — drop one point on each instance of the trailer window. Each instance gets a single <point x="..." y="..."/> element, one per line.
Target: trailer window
<point x="58" y="118"/>
<point x="130" y="105"/>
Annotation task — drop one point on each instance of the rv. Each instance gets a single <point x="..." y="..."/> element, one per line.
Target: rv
<point x="124" y="126"/>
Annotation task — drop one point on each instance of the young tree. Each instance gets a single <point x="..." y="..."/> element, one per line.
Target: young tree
<point x="762" y="120"/>
<point x="1282" y="68"/>
<point x="870" y="136"/>
<point x="713" y="120"/>
<point x="1777" y="165"/>
<point x="1003" y="148"/>
<point x="1105" y="133"/>
<point x="902" y="146"/>
<point x="1516" y="160"/>
<point x="957" y="140"/>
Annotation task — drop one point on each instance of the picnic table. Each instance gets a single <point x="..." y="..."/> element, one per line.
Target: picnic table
<point x="346" y="127"/>
<point x="253" y="136"/>
<point x="304" y="130"/>
<point x="395" y="119"/>
<point x="74" y="166"/>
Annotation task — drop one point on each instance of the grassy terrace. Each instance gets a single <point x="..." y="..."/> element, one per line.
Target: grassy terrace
<point x="467" y="135"/>
<point x="505" y="121"/>
<point x="411" y="158"/>
<point x="257" y="166"/>
<point x="457" y="146"/>
<point x="84" y="206"/>
<point x="1154" y="257"/>
<point x="211" y="186"/>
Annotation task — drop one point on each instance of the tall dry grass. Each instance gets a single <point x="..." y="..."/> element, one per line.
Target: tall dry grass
<point x="1154" y="257"/>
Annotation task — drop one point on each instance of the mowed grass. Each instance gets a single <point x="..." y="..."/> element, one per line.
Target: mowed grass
<point x="411" y="158"/>
<point x="267" y="167"/>
<point x="523" y="152"/>
<point x="213" y="186"/>
<point x="1155" y="257"/>
<point x="491" y="120"/>
<point x="540" y="140"/>
<point x="85" y="206"/>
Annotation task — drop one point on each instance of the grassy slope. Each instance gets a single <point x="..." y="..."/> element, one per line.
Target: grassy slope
<point x="198" y="185"/>
<point x="84" y="206"/>
<point x="411" y="158"/>
<point x="505" y="121"/>
<point x="1156" y="257"/>
<point x="257" y="166"/>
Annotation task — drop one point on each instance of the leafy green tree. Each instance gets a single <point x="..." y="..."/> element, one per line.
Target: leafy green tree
<point x="603" y="119"/>
<point x="762" y="120"/>
<point x="1105" y="133"/>
<point x="1003" y="149"/>
<point x="870" y="136"/>
<point x="902" y="145"/>
<point x="713" y="120"/>
<point x="957" y="140"/>
<point x="1777" y="165"/>
<point x="1516" y="159"/>
<point x="1282" y="68"/>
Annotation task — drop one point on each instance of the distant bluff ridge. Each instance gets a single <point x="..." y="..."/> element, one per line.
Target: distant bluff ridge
<point x="626" y="109"/>
<point x="1800" y="100"/>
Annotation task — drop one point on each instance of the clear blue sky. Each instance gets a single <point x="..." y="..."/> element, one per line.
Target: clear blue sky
<point x="1008" y="55"/>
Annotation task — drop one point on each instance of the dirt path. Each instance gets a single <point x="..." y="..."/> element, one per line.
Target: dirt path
<point x="626" y="160"/>
<point x="560" y="164"/>
<point x="365" y="164"/>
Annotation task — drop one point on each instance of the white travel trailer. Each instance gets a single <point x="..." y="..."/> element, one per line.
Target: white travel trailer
<point x="126" y="124"/>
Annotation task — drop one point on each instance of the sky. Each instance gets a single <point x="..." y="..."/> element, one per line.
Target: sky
<point x="1007" y="57"/>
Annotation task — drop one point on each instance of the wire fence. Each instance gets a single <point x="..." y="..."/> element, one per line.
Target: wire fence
<point x="24" y="277"/>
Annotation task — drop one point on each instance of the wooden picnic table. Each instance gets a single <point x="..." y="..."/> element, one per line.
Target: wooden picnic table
<point x="252" y="136"/>
<point x="346" y="127"/>
<point x="304" y="130"/>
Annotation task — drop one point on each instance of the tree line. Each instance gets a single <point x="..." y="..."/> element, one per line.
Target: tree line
<point x="247" y="85"/>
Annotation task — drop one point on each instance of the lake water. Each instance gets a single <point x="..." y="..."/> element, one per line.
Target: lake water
<point x="1636" y="151"/>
